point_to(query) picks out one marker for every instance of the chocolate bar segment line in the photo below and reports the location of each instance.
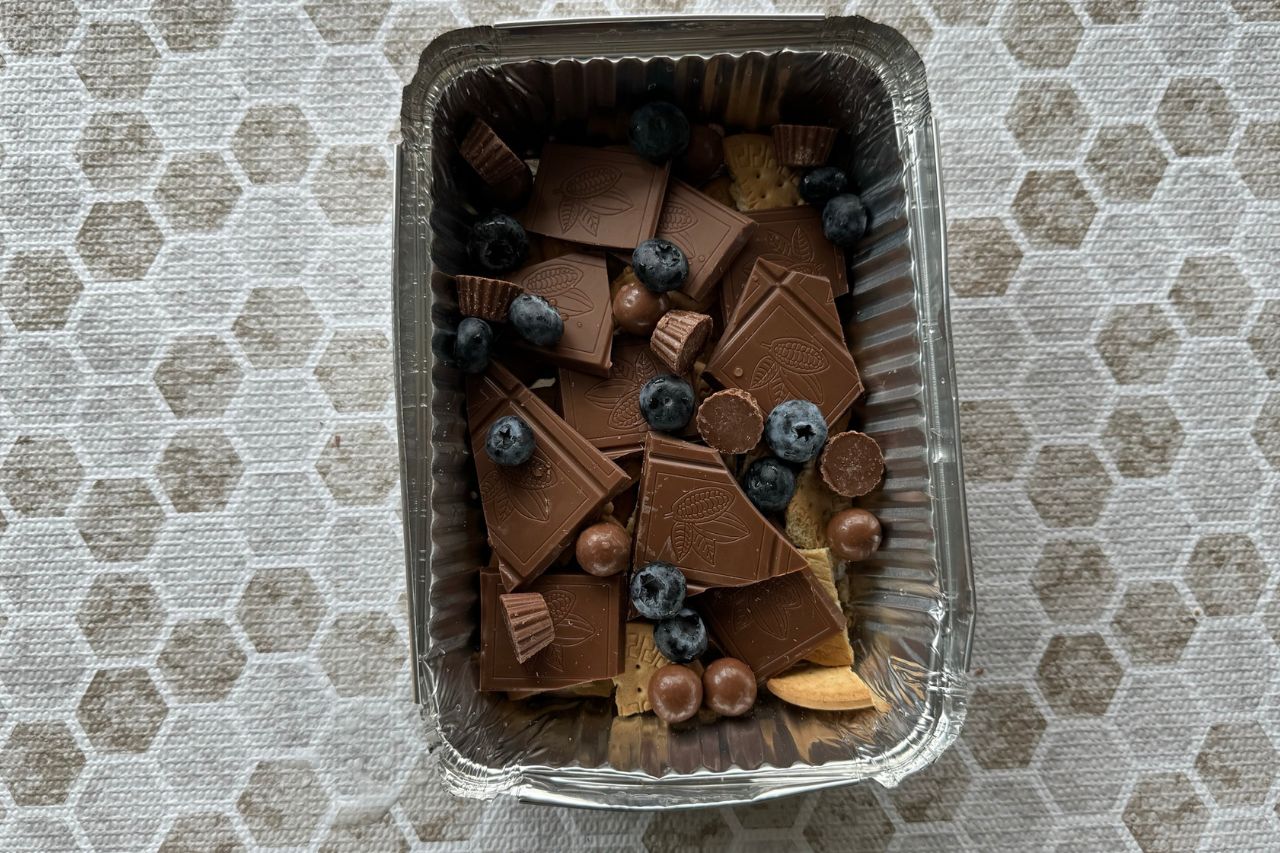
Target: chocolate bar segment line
(767, 274)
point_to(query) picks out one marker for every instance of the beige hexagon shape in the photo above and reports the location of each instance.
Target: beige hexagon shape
(116, 59)
(1143, 436)
(1257, 159)
(347, 21)
(1068, 485)
(197, 192)
(364, 829)
(38, 28)
(188, 25)
(408, 33)
(118, 240)
(39, 289)
(935, 793)
(1196, 116)
(1114, 11)
(1257, 10)
(435, 816)
(198, 376)
(1078, 675)
(280, 610)
(121, 615)
(982, 256)
(1226, 574)
(841, 815)
(1047, 119)
(1041, 33)
(1126, 162)
(1138, 344)
(362, 653)
(199, 470)
(201, 660)
(39, 762)
(118, 149)
(1237, 763)
(359, 463)
(957, 13)
(273, 143)
(1054, 209)
(1073, 580)
(278, 327)
(1266, 431)
(1264, 338)
(1211, 295)
(119, 520)
(283, 803)
(1164, 812)
(121, 710)
(206, 831)
(351, 185)
(995, 439)
(1153, 623)
(1003, 726)
(40, 475)
(355, 370)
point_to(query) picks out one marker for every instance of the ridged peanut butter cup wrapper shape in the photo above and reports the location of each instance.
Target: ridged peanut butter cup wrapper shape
(678, 338)
(528, 621)
(731, 421)
(803, 145)
(486, 298)
(851, 463)
(492, 159)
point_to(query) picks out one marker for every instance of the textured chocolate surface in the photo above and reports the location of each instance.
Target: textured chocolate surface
(771, 624)
(595, 196)
(533, 511)
(694, 515)
(791, 237)
(587, 615)
(767, 274)
(709, 234)
(577, 285)
(730, 421)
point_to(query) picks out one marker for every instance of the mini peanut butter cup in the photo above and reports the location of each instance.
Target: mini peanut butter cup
(528, 621)
(803, 144)
(486, 298)
(679, 337)
(851, 463)
(489, 155)
(730, 421)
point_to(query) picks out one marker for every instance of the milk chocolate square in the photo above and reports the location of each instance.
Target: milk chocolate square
(782, 347)
(533, 510)
(596, 196)
(587, 613)
(709, 234)
(694, 515)
(766, 275)
(772, 624)
(578, 286)
(790, 237)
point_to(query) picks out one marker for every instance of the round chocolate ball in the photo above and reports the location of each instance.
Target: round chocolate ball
(603, 549)
(729, 687)
(853, 534)
(704, 156)
(675, 692)
(637, 309)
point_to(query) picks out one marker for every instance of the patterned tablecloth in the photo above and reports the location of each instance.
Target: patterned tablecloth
(202, 628)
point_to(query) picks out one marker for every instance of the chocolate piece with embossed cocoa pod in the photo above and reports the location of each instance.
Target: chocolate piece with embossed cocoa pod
(577, 286)
(767, 274)
(596, 196)
(694, 515)
(709, 234)
(792, 238)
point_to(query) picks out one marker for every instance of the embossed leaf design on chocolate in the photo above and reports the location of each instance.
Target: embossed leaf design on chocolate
(703, 520)
(801, 245)
(786, 371)
(772, 612)
(621, 399)
(523, 489)
(571, 629)
(797, 254)
(494, 486)
(590, 194)
(558, 284)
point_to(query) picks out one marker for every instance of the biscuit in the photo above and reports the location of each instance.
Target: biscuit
(643, 660)
(719, 189)
(822, 688)
(834, 650)
(760, 182)
(810, 509)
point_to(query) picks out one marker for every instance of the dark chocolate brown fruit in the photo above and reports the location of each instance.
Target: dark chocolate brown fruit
(637, 309)
(729, 687)
(851, 464)
(853, 534)
(730, 421)
(675, 692)
(704, 156)
(603, 549)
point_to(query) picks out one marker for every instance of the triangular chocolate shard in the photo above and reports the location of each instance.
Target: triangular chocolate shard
(766, 275)
(534, 510)
(793, 238)
(576, 285)
(709, 234)
(694, 515)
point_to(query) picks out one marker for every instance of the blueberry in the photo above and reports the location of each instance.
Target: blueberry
(666, 401)
(657, 590)
(796, 430)
(498, 243)
(471, 347)
(769, 484)
(659, 131)
(844, 220)
(660, 265)
(820, 185)
(536, 320)
(510, 441)
(682, 637)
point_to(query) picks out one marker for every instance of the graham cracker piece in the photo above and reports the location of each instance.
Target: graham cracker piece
(720, 189)
(835, 650)
(810, 509)
(760, 181)
(642, 660)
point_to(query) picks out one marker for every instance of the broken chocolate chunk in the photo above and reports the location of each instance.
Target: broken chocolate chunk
(577, 286)
(792, 238)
